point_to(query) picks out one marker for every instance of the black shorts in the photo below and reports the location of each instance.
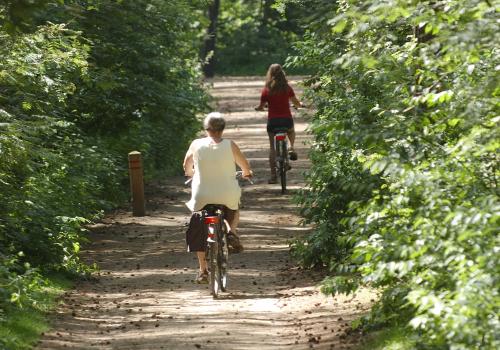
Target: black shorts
(196, 235)
(279, 124)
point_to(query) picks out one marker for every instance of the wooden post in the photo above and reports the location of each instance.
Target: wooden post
(136, 183)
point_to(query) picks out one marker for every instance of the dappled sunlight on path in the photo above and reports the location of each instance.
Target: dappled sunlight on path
(144, 296)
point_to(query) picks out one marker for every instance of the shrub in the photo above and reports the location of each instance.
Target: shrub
(406, 123)
(76, 95)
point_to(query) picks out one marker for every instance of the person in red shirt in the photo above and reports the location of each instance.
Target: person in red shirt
(277, 95)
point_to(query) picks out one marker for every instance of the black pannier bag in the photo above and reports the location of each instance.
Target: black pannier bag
(196, 237)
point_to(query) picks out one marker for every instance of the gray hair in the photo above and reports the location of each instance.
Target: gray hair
(214, 121)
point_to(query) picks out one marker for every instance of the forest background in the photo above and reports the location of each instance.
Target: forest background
(403, 191)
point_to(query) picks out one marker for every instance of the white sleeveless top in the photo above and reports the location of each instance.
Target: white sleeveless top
(214, 180)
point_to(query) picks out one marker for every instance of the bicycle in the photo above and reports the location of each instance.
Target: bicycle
(281, 151)
(216, 229)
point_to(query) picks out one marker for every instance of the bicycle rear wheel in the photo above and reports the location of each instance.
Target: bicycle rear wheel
(283, 166)
(224, 259)
(214, 269)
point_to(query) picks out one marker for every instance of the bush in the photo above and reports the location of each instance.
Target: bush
(403, 189)
(79, 89)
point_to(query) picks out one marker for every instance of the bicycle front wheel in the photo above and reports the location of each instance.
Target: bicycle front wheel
(282, 173)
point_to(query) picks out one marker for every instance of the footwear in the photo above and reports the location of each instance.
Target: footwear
(202, 277)
(234, 242)
(288, 167)
(272, 180)
(292, 154)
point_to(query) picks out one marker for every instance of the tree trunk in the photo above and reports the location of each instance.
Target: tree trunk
(266, 11)
(210, 40)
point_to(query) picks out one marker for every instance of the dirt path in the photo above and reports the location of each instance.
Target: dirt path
(144, 296)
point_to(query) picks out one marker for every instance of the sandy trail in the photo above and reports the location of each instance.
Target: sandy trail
(144, 296)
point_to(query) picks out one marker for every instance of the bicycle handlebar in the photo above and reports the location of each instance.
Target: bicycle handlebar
(239, 174)
(303, 106)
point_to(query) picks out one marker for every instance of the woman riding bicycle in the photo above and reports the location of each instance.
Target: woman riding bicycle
(276, 95)
(211, 162)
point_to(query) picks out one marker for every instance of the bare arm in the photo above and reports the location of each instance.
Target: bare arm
(240, 159)
(296, 102)
(189, 162)
(261, 106)
(263, 102)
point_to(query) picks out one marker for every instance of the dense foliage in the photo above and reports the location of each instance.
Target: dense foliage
(403, 190)
(251, 35)
(80, 87)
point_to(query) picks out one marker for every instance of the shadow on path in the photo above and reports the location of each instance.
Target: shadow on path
(144, 296)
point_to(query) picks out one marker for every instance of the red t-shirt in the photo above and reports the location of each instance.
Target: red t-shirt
(278, 104)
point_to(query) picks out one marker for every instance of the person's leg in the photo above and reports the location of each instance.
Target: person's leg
(202, 276)
(233, 219)
(233, 240)
(291, 137)
(272, 156)
(202, 261)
